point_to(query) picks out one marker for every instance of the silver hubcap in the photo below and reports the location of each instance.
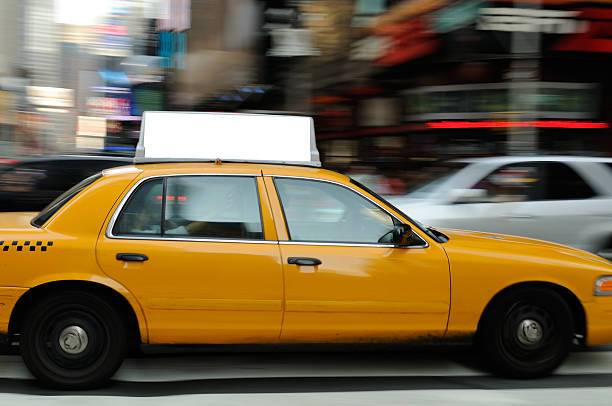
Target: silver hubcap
(73, 340)
(529, 332)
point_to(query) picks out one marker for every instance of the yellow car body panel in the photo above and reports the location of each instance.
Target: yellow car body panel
(483, 264)
(191, 291)
(63, 250)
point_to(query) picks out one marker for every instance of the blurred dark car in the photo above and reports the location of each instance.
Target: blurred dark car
(31, 184)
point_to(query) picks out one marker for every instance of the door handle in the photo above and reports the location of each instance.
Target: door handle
(131, 257)
(303, 261)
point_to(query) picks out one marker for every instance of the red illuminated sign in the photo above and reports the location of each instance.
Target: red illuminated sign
(510, 124)
(598, 36)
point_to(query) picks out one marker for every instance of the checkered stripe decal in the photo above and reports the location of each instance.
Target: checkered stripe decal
(25, 245)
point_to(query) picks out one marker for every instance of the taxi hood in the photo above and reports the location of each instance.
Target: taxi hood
(16, 221)
(492, 244)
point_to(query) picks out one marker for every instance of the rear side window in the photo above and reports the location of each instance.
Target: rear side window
(511, 183)
(194, 207)
(563, 183)
(142, 212)
(212, 207)
(64, 198)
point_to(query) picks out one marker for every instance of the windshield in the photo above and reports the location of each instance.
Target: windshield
(427, 230)
(431, 178)
(64, 198)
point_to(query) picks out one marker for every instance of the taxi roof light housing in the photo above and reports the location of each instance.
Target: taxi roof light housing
(167, 136)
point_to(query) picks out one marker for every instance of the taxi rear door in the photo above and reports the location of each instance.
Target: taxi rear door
(212, 273)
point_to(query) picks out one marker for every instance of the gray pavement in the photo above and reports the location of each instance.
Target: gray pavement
(406, 377)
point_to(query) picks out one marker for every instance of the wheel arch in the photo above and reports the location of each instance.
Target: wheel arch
(570, 298)
(137, 331)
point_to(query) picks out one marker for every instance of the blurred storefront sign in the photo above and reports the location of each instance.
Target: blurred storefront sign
(330, 24)
(530, 20)
(288, 42)
(408, 40)
(90, 132)
(369, 48)
(143, 69)
(595, 37)
(112, 38)
(7, 107)
(174, 15)
(379, 111)
(50, 99)
(172, 47)
(173, 22)
(109, 106)
(479, 101)
(457, 15)
(406, 10)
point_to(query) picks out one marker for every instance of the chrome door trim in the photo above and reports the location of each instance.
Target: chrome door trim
(109, 228)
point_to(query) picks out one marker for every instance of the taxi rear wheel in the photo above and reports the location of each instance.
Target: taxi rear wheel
(74, 340)
(527, 333)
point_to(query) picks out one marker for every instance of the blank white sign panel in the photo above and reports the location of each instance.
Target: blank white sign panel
(229, 136)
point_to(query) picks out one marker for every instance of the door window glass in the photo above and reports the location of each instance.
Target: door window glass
(142, 213)
(563, 183)
(213, 207)
(511, 183)
(326, 212)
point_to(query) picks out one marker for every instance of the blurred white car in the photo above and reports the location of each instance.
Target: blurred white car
(556, 198)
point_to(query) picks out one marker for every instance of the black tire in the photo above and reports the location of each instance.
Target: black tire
(513, 346)
(57, 365)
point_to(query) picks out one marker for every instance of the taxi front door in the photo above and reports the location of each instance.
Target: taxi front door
(212, 276)
(344, 280)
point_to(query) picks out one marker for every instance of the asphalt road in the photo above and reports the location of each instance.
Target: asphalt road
(403, 377)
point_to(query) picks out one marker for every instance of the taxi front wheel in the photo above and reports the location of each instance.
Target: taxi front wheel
(527, 333)
(74, 340)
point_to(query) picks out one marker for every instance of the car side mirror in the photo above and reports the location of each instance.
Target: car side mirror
(468, 195)
(401, 234)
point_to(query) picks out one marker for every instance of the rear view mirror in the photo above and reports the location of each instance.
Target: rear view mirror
(401, 234)
(468, 195)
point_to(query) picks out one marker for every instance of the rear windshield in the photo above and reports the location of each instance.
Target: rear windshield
(64, 198)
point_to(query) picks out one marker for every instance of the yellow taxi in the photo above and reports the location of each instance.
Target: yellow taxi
(213, 251)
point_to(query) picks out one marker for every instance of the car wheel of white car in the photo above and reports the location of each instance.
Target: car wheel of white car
(527, 333)
(73, 340)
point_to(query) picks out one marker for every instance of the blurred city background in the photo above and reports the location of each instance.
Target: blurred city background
(394, 85)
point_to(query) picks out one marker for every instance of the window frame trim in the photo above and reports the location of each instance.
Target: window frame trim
(339, 243)
(162, 237)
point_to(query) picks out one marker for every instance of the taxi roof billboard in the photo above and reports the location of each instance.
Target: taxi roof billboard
(167, 136)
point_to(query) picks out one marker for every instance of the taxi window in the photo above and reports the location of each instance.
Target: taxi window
(142, 213)
(212, 207)
(325, 212)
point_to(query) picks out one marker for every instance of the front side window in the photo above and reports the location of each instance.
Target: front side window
(193, 207)
(325, 212)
